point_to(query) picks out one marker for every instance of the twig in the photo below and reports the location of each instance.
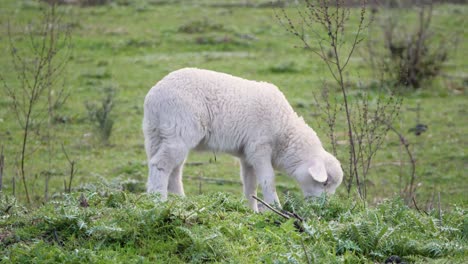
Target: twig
(285, 214)
(406, 144)
(271, 208)
(56, 238)
(292, 215)
(417, 208)
(305, 252)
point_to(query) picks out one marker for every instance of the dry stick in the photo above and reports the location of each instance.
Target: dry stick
(56, 238)
(305, 252)
(271, 208)
(417, 208)
(288, 215)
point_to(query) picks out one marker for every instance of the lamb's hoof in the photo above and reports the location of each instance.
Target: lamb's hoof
(394, 260)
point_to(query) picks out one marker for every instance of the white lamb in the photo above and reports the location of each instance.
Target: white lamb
(206, 110)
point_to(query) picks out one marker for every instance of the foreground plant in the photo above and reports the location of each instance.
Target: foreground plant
(102, 223)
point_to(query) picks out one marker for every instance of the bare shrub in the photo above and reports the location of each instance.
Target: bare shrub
(200, 26)
(37, 66)
(410, 56)
(323, 28)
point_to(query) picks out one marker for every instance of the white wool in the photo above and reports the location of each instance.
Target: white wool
(206, 110)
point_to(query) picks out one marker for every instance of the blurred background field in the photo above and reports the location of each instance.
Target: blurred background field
(127, 46)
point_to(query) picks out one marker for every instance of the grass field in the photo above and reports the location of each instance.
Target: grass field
(129, 47)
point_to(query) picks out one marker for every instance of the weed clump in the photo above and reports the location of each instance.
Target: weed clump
(101, 116)
(284, 67)
(200, 26)
(412, 57)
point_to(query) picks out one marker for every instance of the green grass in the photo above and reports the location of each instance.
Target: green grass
(131, 47)
(103, 225)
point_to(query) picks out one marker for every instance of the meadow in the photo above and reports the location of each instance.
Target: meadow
(127, 46)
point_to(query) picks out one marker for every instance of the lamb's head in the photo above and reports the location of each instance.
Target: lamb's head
(321, 173)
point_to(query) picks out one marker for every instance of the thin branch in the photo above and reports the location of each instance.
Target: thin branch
(305, 252)
(417, 208)
(36, 77)
(285, 214)
(356, 36)
(271, 208)
(405, 144)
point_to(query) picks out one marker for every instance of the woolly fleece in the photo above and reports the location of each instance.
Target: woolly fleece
(206, 110)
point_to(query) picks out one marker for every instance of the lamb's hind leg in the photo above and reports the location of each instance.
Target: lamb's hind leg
(162, 165)
(249, 181)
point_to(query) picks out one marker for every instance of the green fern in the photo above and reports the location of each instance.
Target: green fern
(220, 228)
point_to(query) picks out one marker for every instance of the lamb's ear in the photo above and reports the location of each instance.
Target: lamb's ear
(318, 172)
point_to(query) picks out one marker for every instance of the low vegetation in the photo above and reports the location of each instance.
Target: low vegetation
(104, 224)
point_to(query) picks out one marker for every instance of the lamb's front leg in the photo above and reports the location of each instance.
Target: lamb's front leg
(266, 179)
(249, 181)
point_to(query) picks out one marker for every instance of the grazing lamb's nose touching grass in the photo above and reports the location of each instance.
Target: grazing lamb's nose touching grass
(206, 110)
